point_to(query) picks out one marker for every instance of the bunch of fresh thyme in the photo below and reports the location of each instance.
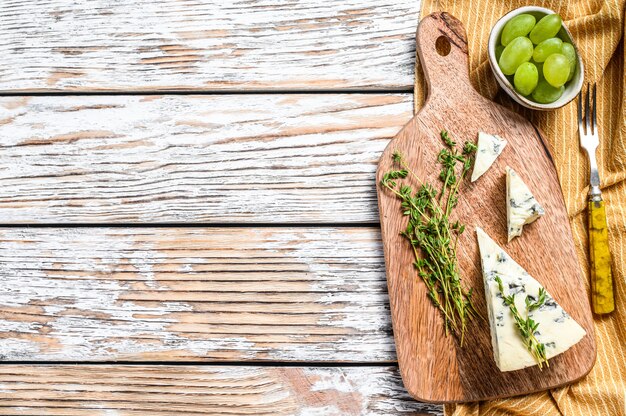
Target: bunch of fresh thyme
(433, 237)
(527, 327)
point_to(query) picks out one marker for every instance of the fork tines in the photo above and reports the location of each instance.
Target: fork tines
(589, 127)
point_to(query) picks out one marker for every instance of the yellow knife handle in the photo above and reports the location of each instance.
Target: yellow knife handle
(601, 278)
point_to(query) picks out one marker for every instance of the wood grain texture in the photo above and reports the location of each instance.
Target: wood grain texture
(200, 45)
(203, 294)
(433, 366)
(116, 390)
(192, 159)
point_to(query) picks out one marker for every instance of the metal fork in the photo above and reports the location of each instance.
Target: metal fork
(602, 298)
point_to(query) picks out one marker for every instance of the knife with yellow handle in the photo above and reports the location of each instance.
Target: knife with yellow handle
(602, 299)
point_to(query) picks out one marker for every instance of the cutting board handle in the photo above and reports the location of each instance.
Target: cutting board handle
(442, 49)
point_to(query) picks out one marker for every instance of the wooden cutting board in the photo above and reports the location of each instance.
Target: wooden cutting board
(434, 367)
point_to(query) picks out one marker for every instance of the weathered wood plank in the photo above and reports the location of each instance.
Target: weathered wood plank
(202, 159)
(202, 294)
(61, 45)
(107, 390)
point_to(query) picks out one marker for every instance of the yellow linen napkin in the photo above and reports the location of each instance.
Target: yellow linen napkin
(598, 29)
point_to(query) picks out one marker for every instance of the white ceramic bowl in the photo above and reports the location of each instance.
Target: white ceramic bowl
(572, 88)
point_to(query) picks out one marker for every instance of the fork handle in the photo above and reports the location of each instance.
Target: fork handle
(601, 277)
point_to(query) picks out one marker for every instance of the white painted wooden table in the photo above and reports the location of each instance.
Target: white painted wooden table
(189, 220)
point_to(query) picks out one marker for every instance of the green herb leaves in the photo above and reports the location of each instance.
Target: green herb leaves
(527, 327)
(432, 236)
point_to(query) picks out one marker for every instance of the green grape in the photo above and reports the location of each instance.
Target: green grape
(517, 52)
(568, 50)
(545, 93)
(572, 71)
(499, 50)
(539, 66)
(526, 78)
(518, 26)
(547, 48)
(556, 69)
(546, 28)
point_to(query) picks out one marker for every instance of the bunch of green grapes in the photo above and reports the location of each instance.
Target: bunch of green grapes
(535, 55)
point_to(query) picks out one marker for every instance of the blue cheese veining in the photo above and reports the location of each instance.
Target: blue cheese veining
(557, 330)
(489, 148)
(521, 206)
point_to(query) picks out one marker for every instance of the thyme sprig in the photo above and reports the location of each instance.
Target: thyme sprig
(527, 327)
(431, 233)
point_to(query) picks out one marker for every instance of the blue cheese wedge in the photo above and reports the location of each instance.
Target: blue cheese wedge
(521, 206)
(489, 148)
(557, 330)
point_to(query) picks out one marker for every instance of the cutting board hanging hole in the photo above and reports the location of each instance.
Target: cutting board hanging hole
(442, 44)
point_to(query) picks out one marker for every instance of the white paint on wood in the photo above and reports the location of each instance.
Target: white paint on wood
(134, 390)
(106, 45)
(293, 294)
(253, 158)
